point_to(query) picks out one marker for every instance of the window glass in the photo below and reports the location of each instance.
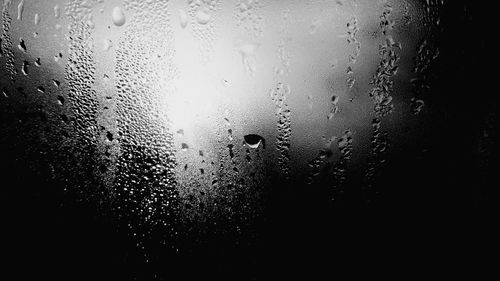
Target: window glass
(208, 130)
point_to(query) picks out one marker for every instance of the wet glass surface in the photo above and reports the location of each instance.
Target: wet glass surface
(243, 140)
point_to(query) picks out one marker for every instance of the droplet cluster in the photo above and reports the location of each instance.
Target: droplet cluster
(249, 17)
(382, 94)
(345, 147)
(80, 71)
(6, 52)
(203, 16)
(145, 184)
(283, 114)
(352, 40)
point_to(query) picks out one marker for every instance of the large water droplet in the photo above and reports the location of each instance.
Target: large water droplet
(253, 141)
(118, 16)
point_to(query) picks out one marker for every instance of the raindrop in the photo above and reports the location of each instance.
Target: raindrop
(351, 81)
(253, 141)
(118, 16)
(202, 17)
(335, 99)
(24, 69)
(58, 57)
(60, 100)
(22, 46)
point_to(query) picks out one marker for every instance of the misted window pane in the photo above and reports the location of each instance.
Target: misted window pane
(235, 137)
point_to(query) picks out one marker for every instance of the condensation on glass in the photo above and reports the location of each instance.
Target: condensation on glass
(180, 116)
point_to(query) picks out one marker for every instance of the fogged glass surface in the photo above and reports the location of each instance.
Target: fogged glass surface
(229, 134)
